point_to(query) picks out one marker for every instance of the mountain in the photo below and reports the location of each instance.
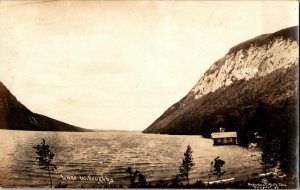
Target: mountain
(14, 115)
(251, 90)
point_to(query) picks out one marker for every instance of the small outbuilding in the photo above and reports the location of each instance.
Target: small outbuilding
(224, 138)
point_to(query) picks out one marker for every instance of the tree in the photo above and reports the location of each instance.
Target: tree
(45, 156)
(187, 163)
(142, 180)
(132, 175)
(270, 154)
(136, 174)
(288, 156)
(216, 167)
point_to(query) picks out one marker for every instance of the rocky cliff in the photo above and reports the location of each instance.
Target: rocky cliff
(14, 115)
(251, 89)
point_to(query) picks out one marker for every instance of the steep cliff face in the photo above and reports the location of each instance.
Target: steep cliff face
(14, 115)
(247, 90)
(248, 63)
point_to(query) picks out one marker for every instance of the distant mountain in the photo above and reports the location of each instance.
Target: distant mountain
(14, 115)
(251, 90)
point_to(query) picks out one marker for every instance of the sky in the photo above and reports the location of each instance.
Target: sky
(120, 64)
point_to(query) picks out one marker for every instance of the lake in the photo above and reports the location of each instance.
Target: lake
(109, 153)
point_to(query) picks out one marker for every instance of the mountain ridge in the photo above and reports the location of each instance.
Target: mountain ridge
(15, 116)
(248, 75)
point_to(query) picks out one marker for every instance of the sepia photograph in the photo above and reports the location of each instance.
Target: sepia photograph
(149, 94)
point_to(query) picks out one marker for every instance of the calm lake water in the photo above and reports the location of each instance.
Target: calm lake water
(108, 154)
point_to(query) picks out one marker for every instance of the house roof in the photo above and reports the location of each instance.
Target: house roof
(223, 134)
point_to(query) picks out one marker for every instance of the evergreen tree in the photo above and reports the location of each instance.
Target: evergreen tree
(45, 156)
(270, 154)
(187, 163)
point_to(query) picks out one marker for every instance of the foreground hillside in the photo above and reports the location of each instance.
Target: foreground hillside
(14, 115)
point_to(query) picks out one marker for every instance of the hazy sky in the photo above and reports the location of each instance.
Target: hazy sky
(121, 64)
